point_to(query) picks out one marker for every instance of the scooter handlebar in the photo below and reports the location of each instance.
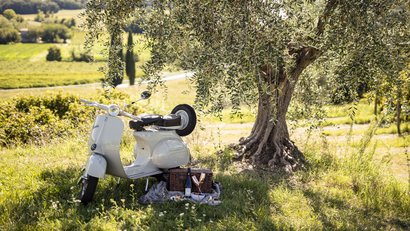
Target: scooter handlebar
(94, 104)
(106, 108)
(129, 115)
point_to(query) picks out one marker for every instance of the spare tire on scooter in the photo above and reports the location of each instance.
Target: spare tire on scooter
(188, 119)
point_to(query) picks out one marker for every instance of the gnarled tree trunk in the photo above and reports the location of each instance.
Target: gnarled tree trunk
(269, 145)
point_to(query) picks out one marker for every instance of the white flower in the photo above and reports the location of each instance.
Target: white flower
(161, 214)
(181, 214)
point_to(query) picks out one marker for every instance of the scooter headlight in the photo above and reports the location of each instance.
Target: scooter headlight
(113, 110)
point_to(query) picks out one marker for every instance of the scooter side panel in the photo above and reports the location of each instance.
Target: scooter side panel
(96, 166)
(106, 134)
(170, 153)
(163, 149)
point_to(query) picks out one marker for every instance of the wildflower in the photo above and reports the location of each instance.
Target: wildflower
(161, 214)
(181, 214)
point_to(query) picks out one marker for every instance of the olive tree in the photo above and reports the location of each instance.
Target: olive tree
(109, 16)
(254, 51)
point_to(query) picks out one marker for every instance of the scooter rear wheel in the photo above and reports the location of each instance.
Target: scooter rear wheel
(88, 186)
(188, 119)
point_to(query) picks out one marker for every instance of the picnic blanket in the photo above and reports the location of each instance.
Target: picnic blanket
(158, 193)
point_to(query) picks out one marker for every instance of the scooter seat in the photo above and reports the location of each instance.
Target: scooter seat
(148, 119)
(170, 120)
(154, 119)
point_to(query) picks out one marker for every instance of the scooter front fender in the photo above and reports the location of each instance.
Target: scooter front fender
(96, 166)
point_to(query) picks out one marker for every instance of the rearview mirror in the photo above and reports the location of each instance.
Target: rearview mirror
(145, 94)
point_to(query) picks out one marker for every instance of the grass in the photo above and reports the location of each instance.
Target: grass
(363, 108)
(333, 193)
(22, 51)
(357, 130)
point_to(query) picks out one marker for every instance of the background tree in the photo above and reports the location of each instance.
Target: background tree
(109, 16)
(130, 60)
(9, 14)
(7, 32)
(52, 33)
(256, 51)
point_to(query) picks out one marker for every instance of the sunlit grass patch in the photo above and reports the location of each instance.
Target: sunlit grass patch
(363, 108)
(22, 51)
(292, 210)
(357, 130)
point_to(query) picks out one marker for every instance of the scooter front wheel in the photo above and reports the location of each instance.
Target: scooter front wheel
(88, 186)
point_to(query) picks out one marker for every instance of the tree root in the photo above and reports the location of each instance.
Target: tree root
(280, 156)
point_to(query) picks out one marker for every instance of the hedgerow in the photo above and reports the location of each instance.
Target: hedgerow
(40, 119)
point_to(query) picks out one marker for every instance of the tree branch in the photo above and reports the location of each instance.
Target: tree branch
(306, 55)
(329, 8)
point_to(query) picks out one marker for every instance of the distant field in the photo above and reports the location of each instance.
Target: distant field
(22, 74)
(22, 51)
(60, 14)
(25, 65)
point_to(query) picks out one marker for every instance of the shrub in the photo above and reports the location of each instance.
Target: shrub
(52, 33)
(5, 23)
(9, 14)
(54, 54)
(37, 120)
(32, 35)
(9, 35)
(82, 57)
(7, 32)
(40, 17)
(70, 22)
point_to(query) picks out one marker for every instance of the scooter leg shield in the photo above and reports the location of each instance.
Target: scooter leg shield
(96, 166)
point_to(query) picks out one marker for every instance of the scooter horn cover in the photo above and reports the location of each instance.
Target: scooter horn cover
(188, 119)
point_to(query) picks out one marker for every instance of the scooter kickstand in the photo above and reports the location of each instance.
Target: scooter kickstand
(146, 184)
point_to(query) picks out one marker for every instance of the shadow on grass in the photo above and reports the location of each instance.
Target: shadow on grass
(337, 213)
(245, 206)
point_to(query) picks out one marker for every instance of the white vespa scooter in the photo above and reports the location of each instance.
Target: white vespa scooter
(158, 147)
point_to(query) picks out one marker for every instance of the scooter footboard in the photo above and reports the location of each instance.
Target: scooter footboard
(96, 166)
